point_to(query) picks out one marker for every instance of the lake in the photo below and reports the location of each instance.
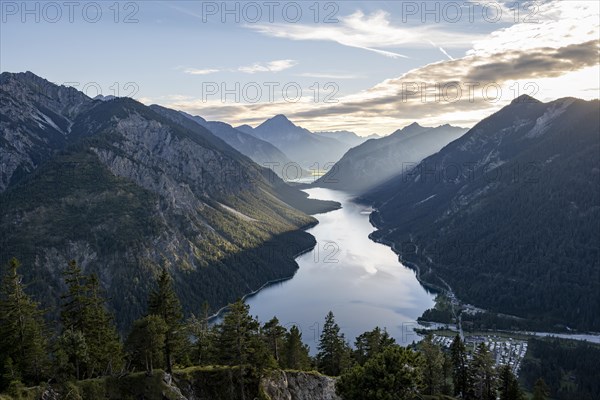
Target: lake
(361, 281)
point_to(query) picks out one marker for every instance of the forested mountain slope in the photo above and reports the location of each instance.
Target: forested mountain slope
(377, 160)
(260, 151)
(508, 215)
(126, 189)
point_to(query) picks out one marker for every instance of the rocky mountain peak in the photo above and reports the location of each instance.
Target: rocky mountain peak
(525, 99)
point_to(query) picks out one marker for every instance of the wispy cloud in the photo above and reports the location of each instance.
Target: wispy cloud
(272, 66)
(195, 71)
(440, 48)
(373, 32)
(558, 56)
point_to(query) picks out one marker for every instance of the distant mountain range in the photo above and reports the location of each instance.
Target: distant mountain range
(375, 161)
(311, 151)
(260, 151)
(350, 138)
(507, 215)
(123, 188)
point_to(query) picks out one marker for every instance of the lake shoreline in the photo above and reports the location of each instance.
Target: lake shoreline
(272, 282)
(448, 292)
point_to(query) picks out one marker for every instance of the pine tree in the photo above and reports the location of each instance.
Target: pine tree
(75, 302)
(205, 336)
(483, 374)
(240, 342)
(334, 353)
(164, 303)
(508, 385)
(106, 349)
(433, 367)
(274, 334)
(145, 343)
(393, 374)
(295, 353)
(447, 388)
(72, 353)
(371, 343)
(458, 354)
(540, 390)
(84, 311)
(23, 344)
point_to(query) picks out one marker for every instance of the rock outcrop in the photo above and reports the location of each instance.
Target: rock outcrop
(298, 385)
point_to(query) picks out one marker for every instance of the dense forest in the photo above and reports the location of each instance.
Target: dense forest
(84, 345)
(507, 215)
(569, 368)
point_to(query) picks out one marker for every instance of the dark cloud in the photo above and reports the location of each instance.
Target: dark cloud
(540, 63)
(490, 70)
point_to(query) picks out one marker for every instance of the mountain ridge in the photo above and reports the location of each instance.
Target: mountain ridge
(376, 160)
(310, 150)
(504, 201)
(130, 190)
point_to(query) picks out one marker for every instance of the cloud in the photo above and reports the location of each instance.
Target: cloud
(444, 52)
(373, 32)
(433, 88)
(558, 56)
(195, 71)
(543, 62)
(272, 66)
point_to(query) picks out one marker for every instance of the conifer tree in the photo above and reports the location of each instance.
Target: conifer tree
(295, 352)
(203, 352)
(393, 374)
(72, 353)
(145, 344)
(274, 335)
(240, 343)
(447, 387)
(482, 373)
(84, 311)
(371, 343)
(458, 354)
(334, 353)
(23, 344)
(540, 390)
(508, 385)
(164, 303)
(433, 367)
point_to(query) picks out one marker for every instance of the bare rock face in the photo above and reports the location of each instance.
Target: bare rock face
(286, 385)
(35, 121)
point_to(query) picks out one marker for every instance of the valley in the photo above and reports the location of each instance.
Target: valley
(324, 200)
(361, 281)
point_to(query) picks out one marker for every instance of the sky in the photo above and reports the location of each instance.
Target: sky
(368, 67)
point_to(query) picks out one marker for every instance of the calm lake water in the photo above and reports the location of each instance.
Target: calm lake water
(361, 281)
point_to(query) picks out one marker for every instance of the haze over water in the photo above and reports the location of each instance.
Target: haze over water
(361, 281)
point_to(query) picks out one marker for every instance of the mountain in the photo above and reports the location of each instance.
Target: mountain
(246, 129)
(375, 161)
(347, 137)
(105, 98)
(36, 120)
(507, 215)
(261, 152)
(311, 151)
(124, 189)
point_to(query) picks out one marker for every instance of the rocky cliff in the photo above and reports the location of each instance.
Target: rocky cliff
(197, 383)
(298, 385)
